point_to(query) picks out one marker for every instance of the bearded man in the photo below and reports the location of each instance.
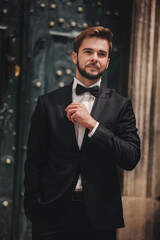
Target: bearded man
(78, 136)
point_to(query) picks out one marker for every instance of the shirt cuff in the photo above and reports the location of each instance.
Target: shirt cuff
(93, 130)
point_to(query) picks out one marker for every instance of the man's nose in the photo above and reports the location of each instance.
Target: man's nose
(95, 57)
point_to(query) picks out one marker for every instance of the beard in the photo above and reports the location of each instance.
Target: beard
(88, 75)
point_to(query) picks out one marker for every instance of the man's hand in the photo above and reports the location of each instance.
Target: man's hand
(78, 112)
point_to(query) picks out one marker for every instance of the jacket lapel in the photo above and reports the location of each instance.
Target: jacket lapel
(98, 107)
(66, 99)
(66, 96)
(100, 102)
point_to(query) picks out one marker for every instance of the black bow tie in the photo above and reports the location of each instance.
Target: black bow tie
(93, 90)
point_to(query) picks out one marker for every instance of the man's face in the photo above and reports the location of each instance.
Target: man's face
(92, 58)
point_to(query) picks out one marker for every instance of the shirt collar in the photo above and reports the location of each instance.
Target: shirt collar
(76, 81)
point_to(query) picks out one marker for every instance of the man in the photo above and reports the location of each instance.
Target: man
(78, 136)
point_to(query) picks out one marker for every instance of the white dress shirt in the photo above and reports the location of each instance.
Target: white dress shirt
(88, 100)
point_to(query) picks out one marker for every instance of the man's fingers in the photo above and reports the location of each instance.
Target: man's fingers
(72, 115)
(77, 112)
(73, 118)
(74, 105)
(70, 112)
(71, 106)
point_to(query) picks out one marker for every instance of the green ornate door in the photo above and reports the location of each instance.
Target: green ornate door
(36, 42)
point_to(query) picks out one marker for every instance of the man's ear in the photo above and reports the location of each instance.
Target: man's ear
(74, 57)
(108, 62)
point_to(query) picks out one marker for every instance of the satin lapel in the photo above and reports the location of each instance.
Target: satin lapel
(66, 99)
(100, 102)
(98, 107)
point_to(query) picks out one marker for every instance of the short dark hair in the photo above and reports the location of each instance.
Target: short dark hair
(99, 31)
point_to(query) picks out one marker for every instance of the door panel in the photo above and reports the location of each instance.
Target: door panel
(10, 42)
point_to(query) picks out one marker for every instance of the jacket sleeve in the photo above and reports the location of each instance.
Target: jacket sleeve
(124, 142)
(36, 154)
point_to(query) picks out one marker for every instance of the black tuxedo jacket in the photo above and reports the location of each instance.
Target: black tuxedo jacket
(54, 160)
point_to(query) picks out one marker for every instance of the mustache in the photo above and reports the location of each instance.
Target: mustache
(93, 64)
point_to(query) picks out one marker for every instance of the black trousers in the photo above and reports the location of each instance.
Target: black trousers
(72, 225)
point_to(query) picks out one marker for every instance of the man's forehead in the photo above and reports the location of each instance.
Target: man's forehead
(95, 46)
(97, 42)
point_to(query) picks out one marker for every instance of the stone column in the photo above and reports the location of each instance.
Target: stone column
(141, 187)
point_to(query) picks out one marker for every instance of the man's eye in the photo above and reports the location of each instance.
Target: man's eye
(87, 51)
(102, 54)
